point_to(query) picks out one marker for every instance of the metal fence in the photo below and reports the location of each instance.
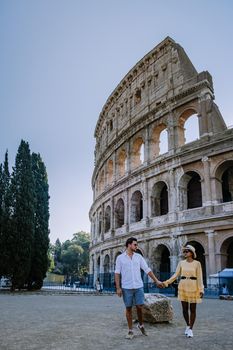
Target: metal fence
(107, 283)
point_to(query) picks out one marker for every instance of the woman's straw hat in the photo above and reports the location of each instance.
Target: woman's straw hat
(191, 248)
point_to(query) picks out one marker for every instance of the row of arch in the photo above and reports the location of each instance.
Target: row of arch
(160, 261)
(158, 144)
(190, 191)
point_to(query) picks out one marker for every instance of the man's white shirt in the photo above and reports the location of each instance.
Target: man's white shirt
(130, 270)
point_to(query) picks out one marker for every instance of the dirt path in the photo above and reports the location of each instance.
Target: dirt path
(48, 322)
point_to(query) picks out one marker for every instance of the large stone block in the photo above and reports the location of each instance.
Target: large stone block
(157, 309)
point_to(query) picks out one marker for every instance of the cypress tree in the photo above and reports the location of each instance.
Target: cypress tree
(6, 211)
(57, 252)
(40, 260)
(23, 221)
(1, 215)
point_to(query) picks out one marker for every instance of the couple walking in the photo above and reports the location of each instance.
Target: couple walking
(129, 284)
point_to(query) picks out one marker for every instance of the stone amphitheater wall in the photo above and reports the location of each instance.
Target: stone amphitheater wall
(163, 198)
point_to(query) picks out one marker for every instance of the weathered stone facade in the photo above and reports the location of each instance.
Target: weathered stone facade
(163, 198)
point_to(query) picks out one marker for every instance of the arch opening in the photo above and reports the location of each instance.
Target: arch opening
(136, 208)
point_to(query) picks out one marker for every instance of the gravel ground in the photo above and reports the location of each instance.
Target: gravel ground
(86, 322)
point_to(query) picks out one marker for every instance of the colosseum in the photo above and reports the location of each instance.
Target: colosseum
(153, 181)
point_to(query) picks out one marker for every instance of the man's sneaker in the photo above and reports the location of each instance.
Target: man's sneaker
(190, 333)
(142, 329)
(186, 331)
(130, 335)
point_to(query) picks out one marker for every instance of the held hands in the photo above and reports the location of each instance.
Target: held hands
(160, 284)
(201, 295)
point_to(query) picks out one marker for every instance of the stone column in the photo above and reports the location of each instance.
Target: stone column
(145, 198)
(171, 138)
(179, 135)
(114, 167)
(147, 251)
(117, 114)
(182, 200)
(111, 267)
(147, 146)
(112, 217)
(219, 262)
(173, 262)
(174, 256)
(211, 268)
(103, 222)
(95, 268)
(130, 106)
(127, 210)
(202, 119)
(105, 176)
(91, 264)
(97, 226)
(128, 165)
(205, 108)
(207, 186)
(101, 262)
(172, 201)
(93, 228)
(171, 131)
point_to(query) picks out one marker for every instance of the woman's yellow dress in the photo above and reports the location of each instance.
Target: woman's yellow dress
(188, 289)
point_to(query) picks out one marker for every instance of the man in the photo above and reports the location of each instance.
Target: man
(128, 266)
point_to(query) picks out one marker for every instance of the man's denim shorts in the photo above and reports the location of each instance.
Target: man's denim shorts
(133, 297)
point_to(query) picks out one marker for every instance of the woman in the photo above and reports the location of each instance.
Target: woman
(190, 288)
(98, 285)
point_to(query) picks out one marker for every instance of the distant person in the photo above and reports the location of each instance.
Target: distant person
(225, 290)
(98, 285)
(190, 288)
(128, 267)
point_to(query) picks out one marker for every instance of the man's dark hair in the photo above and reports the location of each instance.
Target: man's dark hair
(130, 241)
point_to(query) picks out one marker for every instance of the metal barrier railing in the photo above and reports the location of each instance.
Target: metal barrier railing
(110, 288)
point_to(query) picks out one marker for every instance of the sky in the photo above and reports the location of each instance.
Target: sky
(61, 59)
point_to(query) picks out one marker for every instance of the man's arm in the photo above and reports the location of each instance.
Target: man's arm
(148, 271)
(117, 282)
(155, 279)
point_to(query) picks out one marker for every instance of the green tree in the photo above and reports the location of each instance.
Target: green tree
(75, 255)
(51, 258)
(5, 217)
(23, 228)
(39, 258)
(83, 239)
(57, 252)
(2, 246)
(57, 257)
(71, 259)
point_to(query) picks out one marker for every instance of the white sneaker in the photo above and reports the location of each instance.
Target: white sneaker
(130, 335)
(142, 329)
(190, 333)
(186, 331)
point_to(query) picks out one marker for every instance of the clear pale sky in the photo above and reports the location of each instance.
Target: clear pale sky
(61, 59)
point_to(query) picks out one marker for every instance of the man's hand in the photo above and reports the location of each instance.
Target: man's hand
(159, 284)
(119, 292)
(201, 295)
